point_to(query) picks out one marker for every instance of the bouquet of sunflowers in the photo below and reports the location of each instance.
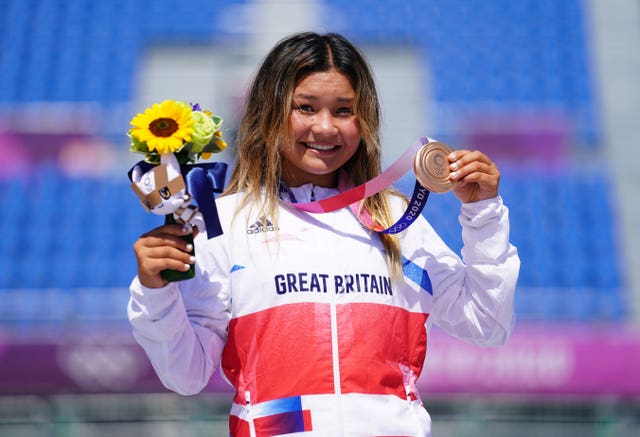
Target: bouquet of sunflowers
(184, 129)
(172, 136)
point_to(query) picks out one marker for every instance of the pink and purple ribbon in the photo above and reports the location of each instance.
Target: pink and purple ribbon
(353, 196)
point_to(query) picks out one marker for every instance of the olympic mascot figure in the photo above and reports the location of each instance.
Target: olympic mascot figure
(173, 136)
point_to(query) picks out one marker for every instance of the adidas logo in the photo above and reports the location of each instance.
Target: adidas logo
(260, 226)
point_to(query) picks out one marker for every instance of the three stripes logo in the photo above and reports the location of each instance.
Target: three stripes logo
(260, 226)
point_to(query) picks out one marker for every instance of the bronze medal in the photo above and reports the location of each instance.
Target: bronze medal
(431, 167)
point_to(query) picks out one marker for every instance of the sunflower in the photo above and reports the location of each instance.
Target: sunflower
(164, 127)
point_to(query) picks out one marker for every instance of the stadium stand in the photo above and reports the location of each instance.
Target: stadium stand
(63, 234)
(500, 55)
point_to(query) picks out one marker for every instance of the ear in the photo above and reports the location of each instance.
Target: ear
(173, 167)
(145, 181)
(136, 174)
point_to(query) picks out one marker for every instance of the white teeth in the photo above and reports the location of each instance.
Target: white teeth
(320, 146)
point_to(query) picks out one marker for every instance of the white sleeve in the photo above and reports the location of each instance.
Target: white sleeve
(473, 298)
(182, 327)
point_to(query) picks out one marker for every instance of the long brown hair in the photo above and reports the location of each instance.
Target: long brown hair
(265, 127)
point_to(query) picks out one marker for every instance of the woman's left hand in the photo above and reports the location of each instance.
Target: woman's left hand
(477, 176)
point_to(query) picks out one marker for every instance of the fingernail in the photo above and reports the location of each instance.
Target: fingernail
(454, 174)
(186, 267)
(189, 247)
(192, 259)
(452, 156)
(454, 166)
(186, 228)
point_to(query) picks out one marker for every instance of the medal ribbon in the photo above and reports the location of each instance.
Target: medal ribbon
(353, 196)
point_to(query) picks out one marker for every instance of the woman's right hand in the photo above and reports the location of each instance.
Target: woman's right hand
(160, 249)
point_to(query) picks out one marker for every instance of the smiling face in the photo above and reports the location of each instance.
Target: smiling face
(325, 130)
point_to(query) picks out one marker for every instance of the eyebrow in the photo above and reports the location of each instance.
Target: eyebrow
(312, 97)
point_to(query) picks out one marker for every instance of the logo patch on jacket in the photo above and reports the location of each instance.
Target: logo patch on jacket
(261, 225)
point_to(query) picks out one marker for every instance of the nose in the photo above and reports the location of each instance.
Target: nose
(323, 123)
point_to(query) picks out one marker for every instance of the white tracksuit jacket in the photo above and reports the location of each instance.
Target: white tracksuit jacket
(307, 325)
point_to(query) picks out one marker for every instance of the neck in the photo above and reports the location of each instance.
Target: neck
(326, 180)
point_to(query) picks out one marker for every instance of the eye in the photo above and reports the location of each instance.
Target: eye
(305, 108)
(344, 111)
(165, 192)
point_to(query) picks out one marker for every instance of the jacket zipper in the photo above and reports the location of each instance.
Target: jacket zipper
(336, 359)
(252, 426)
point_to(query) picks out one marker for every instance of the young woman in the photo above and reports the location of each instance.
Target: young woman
(319, 323)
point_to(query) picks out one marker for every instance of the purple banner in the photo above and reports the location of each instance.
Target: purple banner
(538, 360)
(95, 366)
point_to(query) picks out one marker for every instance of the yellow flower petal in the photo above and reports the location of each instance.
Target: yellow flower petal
(165, 127)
